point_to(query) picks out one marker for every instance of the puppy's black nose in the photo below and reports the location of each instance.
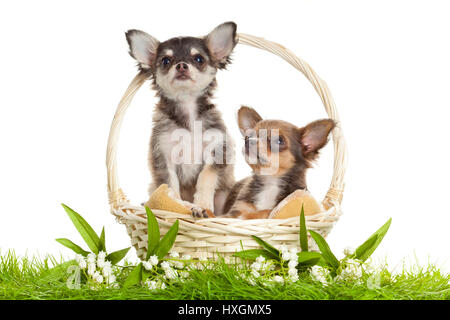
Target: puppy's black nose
(182, 67)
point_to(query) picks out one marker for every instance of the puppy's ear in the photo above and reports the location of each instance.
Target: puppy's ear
(221, 41)
(142, 47)
(247, 118)
(314, 137)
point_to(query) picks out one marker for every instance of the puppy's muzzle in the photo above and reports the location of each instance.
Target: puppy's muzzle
(182, 71)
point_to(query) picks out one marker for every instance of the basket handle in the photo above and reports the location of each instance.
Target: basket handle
(115, 193)
(336, 189)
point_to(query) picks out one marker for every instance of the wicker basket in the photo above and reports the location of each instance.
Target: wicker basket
(204, 238)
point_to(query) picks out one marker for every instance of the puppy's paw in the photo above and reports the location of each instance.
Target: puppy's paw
(199, 212)
(204, 202)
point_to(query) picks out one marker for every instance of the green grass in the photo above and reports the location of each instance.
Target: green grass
(34, 278)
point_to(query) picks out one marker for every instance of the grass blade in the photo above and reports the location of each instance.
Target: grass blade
(360, 252)
(303, 233)
(56, 273)
(102, 243)
(69, 244)
(308, 259)
(273, 251)
(380, 233)
(167, 241)
(153, 234)
(134, 277)
(85, 230)
(252, 254)
(145, 275)
(324, 248)
(118, 255)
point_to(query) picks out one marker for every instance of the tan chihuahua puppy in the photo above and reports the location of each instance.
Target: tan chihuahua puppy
(279, 154)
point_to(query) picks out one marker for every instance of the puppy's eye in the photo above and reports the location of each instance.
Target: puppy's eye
(165, 61)
(199, 59)
(279, 140)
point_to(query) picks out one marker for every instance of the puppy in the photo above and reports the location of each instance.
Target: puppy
(279, 154)
(190, 149)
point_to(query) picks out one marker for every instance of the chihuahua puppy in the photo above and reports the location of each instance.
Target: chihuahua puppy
(190, 149)
(279, 154)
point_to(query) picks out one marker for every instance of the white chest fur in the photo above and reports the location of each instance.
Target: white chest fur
(266, 198)
(187, 149)
(189, 107)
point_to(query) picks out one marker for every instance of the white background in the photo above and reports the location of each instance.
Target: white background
(64, 66)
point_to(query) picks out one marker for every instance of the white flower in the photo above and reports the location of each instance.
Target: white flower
(320, 274)
(178, 264)
(352, 271)
(251, 281)
(260, 259)
(184, 274)
(255, 273)
(278, 279)
(102, 255)
(171, 274)
(165, 265)
(256, 266)
(292, 264)
(174, 255)
(349, 251)
(79, 258)
(153, 260)
(200, 266)
(97, 277)
(107, 265)
(111, 279)
(91, 258)
(82, 264)
(147, 265)
(186, 257)
(91, 269)
(270, 266)
(353, 267)
(368, 268)
(107, 271)
(293, 278)
(152, 285)
(100, 263)
(286, 255)
(292, 272)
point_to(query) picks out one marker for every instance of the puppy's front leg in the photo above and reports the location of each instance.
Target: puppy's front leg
(174, 182)
(206, 187)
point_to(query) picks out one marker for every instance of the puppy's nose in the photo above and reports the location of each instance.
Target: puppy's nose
(182, 67)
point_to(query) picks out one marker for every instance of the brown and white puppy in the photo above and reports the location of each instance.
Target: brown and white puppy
(190, 149)
(279, 154)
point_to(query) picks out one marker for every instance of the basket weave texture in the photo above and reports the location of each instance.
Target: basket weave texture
(206, 238)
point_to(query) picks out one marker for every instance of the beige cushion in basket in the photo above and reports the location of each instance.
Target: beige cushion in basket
(163, 199)
(291, 206)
